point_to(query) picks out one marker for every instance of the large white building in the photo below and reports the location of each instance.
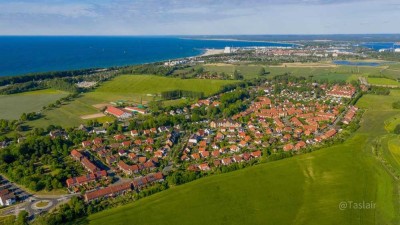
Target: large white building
(6, 197)
(227, 50)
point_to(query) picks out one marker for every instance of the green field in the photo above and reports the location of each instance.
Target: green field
(130, 88)
(134, 87)
(319, 71)
(392, 149)
(302, 190)
(12, 106)
(382, 81)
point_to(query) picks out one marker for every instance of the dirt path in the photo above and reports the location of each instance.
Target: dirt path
(92, 116)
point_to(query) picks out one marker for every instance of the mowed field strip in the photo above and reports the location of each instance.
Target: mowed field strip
(306, 189)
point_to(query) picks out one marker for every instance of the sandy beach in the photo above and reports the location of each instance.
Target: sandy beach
(212, 52)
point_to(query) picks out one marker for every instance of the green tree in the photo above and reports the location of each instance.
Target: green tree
(22, 218)
(24, 117)
(200, 70)
(262, 71)
(396, 105)
(237, 75)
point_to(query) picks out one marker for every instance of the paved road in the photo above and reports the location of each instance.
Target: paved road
(28, 201)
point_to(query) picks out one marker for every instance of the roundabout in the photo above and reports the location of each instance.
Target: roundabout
(42, 204)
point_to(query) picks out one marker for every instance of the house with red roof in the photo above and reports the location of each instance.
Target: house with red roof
(299, 145)
(86, 144)
(215, 153)
(204, 167)
(76, 155)
(89, 165)
(226, 161)
(256, 154)
(288, 147)
(97, 141)
(109, 191)
(120, 114)
(195, 156)
(119, 137)
(134, 133)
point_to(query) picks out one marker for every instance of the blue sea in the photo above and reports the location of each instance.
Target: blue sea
(351, 63)
(380, 45)
(22, 54)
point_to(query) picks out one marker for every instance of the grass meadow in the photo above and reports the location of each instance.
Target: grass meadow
(12, 106)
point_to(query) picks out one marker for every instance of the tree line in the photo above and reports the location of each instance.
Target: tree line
(175, 94)
(43, 76)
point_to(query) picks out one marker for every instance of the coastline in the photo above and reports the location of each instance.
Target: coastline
(100, 53)
(239, 40)
(204, 52)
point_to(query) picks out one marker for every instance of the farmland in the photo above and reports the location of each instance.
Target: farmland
(135, 87)
(306, 189)
(382, 81)
(319, 71)
(12, 106)
(130, 88)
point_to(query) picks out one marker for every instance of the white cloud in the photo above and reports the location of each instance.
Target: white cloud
(73, 10)
(134, 17)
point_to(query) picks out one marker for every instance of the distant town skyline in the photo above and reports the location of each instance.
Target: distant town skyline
(198, 17)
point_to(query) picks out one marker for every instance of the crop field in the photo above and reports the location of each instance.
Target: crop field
(319, 71)
(305, 189)
(130, 88)
(12, 106)
(382, 81)
(322, 70)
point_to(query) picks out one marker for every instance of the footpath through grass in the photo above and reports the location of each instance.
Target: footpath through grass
(301, 190)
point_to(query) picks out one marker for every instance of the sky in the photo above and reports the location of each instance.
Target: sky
(198, 17)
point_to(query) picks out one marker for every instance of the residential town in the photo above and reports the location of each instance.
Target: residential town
(278, 117)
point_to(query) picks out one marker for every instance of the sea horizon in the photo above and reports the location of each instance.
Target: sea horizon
(23, 55)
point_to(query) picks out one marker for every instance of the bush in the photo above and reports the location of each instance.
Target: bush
(396, 105)
(397, 129)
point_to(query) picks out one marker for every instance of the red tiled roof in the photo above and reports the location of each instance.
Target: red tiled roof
(114, 111)
(76, 154)
(108, 191)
